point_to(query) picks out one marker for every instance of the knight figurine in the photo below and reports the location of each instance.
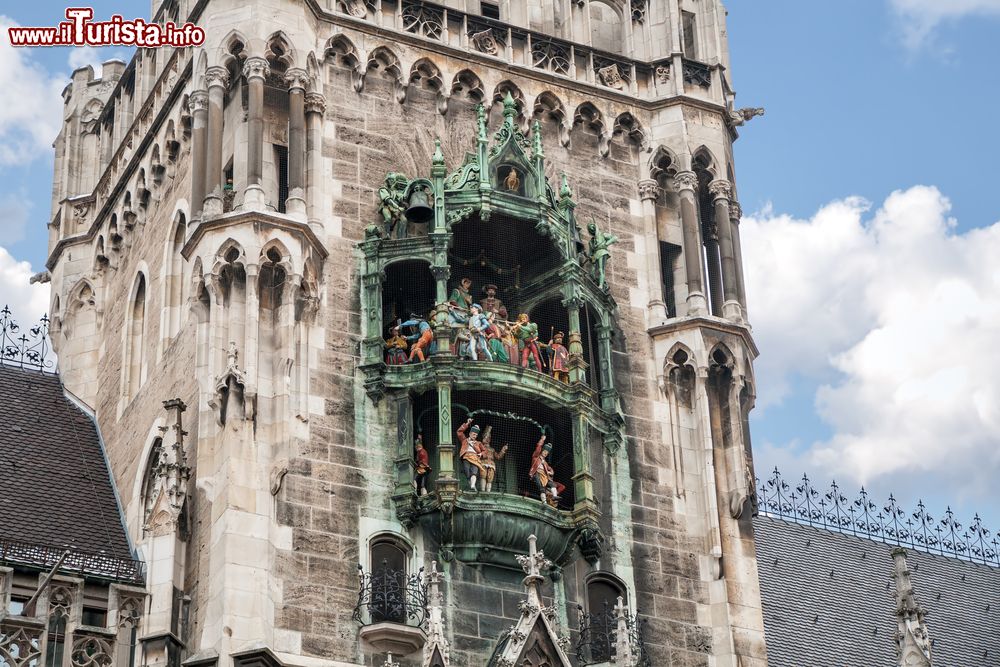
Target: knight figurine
(420, 338)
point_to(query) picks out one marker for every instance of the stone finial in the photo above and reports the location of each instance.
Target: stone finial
(481, 132)
(436, 646)
(536, 137)
(912, 638)
(171, 474)
(438, 158)
(509, 109)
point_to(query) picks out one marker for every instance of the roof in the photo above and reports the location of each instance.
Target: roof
(56, 491)
(829, 600)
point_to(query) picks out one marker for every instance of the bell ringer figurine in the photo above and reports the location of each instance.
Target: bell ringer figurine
(541, 472)
(489, 458)
(478, 326)
(423, 467)
(469, 452)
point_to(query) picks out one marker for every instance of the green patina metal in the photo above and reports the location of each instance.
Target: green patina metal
(507, 178)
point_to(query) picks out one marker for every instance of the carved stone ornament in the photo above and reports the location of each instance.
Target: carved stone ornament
(610, 76)
(198, 101)
(720, 189)
(735, 212)
(648, 189)
(315, 103)
(740, 116)
(355, 8)
(217, 76)
(256, 67)
(662, 73)
(686, 180)
(297, 79)
(485, 42)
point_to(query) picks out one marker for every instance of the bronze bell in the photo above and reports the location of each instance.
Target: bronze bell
(419, 211)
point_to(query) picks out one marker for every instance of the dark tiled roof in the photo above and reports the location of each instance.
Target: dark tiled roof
(55, 486)
(829, 600)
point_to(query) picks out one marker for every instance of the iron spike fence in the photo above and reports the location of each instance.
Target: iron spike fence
(803, 503)
(598, 639)
(388, 595)
(103, 566)
(24, 349)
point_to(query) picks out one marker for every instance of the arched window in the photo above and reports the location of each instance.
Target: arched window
(174, 285)
(134, 337)
(389, 556)
(603, 591)
(605, 27)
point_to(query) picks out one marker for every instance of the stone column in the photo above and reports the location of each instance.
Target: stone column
(721, 192)
(297, 79)
(198, 104)
(315, 110)
(686, 182)
(255, 70)
(577, 366)
(217, 79)
(735, 213)
(649, 190)
(710, 233)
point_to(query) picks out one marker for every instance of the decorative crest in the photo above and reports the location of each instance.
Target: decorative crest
(24, 349)
(802, 503)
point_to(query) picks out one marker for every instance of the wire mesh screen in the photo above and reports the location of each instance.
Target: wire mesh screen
(505, 420)
(409, 290)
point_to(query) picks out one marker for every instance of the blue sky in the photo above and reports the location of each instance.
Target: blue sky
(869, 193)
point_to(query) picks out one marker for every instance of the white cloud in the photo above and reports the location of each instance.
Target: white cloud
(82, 56)
(896, 317)
(27, 127)
(27, 302)
(921, 17)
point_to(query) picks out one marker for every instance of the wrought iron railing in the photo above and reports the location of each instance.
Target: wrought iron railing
(388, 595)
(24, 349)
(598, 639)
(803, 503)
(119, 569)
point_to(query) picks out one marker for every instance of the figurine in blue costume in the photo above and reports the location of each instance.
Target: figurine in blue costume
(478, 328)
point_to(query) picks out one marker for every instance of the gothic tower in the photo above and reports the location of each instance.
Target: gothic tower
(239, 228)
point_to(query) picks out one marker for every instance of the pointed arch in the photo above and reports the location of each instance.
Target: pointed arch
(101, 260)
(426, 74)
(157, 170)
(508, 86)
(341, 52)
(173, 279)
(383, 61)
(133, 358)
(628, 127)
(172, 147)
(703, 159)
(468, 86)
(663, 164)
(234, 48)
(278, 51)
(548, 107)
(589, 118)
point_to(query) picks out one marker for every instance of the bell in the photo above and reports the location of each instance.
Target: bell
(419, 211)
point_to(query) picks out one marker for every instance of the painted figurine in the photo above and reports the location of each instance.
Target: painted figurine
(542, 474)
(421, 338)
(491, 304)
(478, 326)
(558, 358)
(468, 451)
(512, 182)
(391, 204)
(395, 348)
(460, 301)
(422, 466)
(489, 458)
(599, 253)
(494, 340)
(509, 342)
(526, 333)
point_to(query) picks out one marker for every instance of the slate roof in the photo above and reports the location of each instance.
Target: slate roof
(55, 487)
(828, 600)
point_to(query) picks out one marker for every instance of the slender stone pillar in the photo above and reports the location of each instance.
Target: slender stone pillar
(297, 79)
(735, 213)
(315, 109)
(198, 104)
(255, 70)
(721, 192)
(686, 182)
(711, 234)
(649, 190)
(217, 79)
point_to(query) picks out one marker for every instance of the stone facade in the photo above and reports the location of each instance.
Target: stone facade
(210, 211)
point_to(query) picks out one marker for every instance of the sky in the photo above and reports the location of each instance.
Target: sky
(870, 235)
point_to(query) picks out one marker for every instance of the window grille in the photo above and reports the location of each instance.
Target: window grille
(281, 162)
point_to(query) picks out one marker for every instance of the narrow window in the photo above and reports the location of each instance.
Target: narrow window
(490, 10)
(93, 617)
(56, 639)
(602, 597)
(134, 338)
(388, 580)
(669, 257)
(281, 160)
(689, 28)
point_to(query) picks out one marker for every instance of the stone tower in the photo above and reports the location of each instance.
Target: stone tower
(237, 229)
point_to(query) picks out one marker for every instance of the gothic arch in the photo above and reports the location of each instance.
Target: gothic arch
(722, 356)
(173, 277)
(284, 257)
(157, 170)
(384, 61)
(607, 25)
(704, 159)
(341, 52)
(172, 147)
(425, 74)
(626, 125)
(588, 116)
(279, 51)
(101, 260)
(200, 67)
(134, 343)
(234, 49)
(154, 434)
(508, 86)
(663, 164)
(229, 253)
(548, 106)
(468, 86)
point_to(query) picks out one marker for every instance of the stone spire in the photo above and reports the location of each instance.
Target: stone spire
(171, 474)
(436, 649)
(912, 638)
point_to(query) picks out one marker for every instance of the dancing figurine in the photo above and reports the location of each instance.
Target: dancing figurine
(421, 339)
(489, 457)
(542, 474)
(423, 466)
(478, 327)
(494, 339)
(468, 451)
(395, 348)
(526, 333)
